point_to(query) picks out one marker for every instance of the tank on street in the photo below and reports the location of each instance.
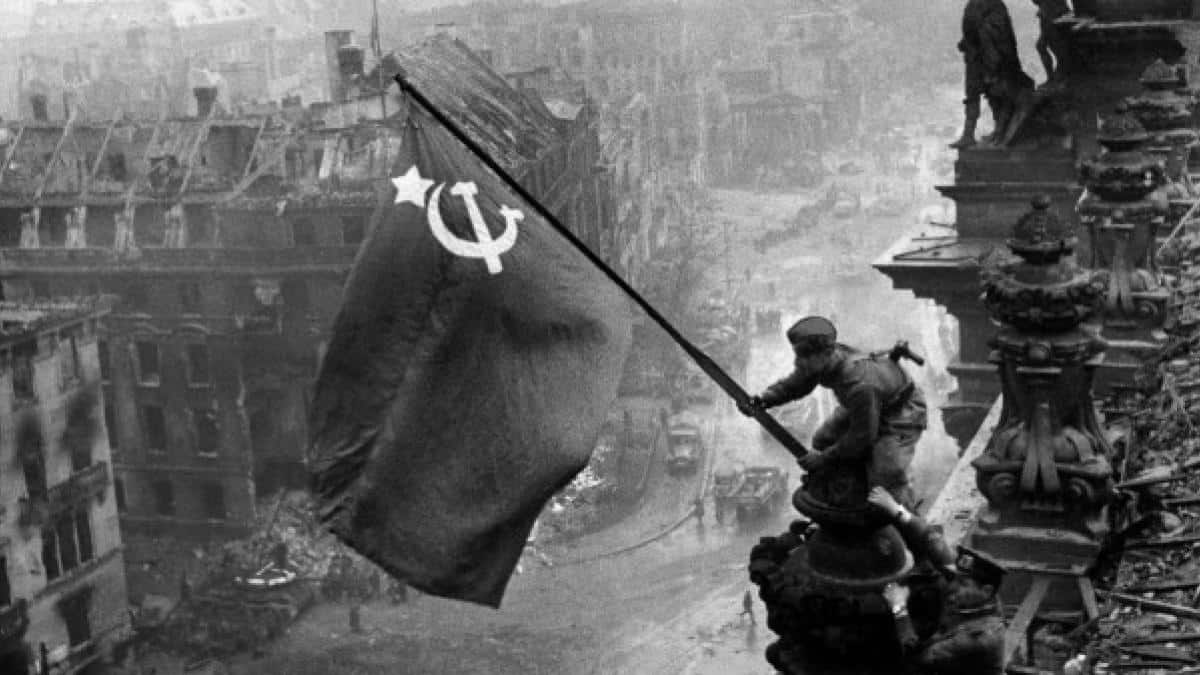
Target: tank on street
(762, 490)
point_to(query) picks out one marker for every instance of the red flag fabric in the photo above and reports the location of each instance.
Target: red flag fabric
(471, 364)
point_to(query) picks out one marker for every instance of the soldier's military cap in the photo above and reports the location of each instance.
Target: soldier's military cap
(812, 333)
(979, 566)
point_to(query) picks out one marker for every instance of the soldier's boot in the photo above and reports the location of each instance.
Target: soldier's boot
(967, 139)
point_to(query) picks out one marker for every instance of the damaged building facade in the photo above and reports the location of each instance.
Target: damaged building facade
(144, 57)
(62, 572)
(732, 88)
(226, 240)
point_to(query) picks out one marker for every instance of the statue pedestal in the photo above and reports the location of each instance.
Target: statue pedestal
(823, 587)
(1031, 552)
(993, 187)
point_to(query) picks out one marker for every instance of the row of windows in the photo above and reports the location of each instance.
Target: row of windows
(148, 362)
(206, 435)
(212, 498)
(135, 294)
(52, 232)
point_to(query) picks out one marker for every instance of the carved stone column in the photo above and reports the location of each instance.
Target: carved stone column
(822, 586)
(1124, 208)
(1166, 115)
(1045, 473)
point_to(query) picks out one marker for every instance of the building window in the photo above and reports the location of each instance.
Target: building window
(147, 358)
(5, 587)
(22, 371)
(33, 466)
(50, 554)
(116, 167)
(40, 288)
(204, 426)
(83, 534)
(110, 426)
(68, 552)
(296, 300)
(135, 296)
(68, 543)
(102, 353)
(197, 365)
(190, 300)
(68, 360)
(119, 492)
(74, 611)
(164, 497)
(303, 232)
(213, 496)
(353, 229)
(156, 428)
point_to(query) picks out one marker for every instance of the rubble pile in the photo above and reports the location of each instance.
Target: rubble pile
(1150, 616)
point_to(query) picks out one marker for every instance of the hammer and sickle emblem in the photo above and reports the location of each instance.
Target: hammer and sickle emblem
(485, 246)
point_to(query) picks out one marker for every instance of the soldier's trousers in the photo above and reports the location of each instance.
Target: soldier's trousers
(891, 454)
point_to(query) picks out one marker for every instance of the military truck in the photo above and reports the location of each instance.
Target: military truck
(762, 490)
(684, 442)
(727, 481)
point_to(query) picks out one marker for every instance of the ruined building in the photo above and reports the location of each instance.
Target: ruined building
(227, 240)
(62, 573)
(135, 57)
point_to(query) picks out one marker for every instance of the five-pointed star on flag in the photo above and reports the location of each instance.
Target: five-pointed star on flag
(411, 187)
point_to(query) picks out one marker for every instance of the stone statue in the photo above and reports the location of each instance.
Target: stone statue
(1051, 43)
(993, 70)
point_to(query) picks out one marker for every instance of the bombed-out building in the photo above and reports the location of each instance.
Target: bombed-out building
(62, 573)
(226, 240)
(143, 57)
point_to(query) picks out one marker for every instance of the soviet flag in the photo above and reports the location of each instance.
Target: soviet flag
(471, 365)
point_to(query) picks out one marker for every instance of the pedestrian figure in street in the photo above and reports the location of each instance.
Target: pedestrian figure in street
(355, 618)
(698, 509)
(748, 607)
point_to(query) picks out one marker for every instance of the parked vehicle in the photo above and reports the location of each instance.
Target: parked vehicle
(727, 481)
(762, 490)
(685, 444)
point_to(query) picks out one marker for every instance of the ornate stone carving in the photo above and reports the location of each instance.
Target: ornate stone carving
(1166, 114)
(1047, 463)
(822, 585)
(1124, 206)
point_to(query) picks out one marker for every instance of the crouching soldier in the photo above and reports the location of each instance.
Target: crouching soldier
(880, 414)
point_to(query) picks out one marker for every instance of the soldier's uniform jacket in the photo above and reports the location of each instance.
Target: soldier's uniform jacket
(973, 643)
(875, 394)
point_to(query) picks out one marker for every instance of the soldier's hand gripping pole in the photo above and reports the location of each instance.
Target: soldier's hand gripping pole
(710, 367)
